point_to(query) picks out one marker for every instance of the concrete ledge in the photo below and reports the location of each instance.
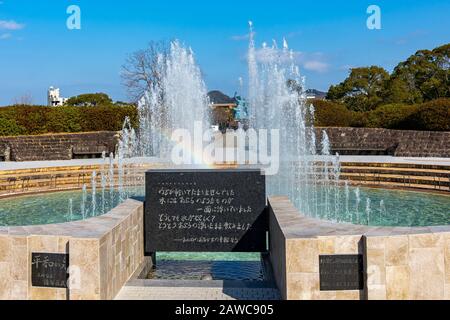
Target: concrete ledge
(58, 146)
(400, 263)
(104, 252)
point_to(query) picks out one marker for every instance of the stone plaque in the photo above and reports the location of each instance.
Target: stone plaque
(341, 272)
(205, 210)
(49, 270)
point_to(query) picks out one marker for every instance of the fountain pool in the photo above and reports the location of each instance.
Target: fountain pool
(363, 206)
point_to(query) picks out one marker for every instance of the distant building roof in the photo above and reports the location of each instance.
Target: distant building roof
(316, 93)
(218, 97)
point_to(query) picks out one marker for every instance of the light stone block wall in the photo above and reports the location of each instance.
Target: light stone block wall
(399, 263)
(105, 250)
(409, 267)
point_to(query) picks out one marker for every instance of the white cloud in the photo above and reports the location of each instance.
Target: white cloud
(243, 37)
(314, 62)
(5, 36)
(294, 34)
(406, 38)
(10, 25)
(346, 67)
(316, 66)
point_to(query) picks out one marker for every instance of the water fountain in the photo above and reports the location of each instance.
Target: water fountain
(176, 100)
(308, 173)
(83, 201)
(277, 100)
(94, 193)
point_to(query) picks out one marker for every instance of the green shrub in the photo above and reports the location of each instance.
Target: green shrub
(432, 116)
(331, 114)
(9, 128)
(391, 116)
(64, 119)
(31, 120)
(359, 119)
(90, 100)
(107, 118)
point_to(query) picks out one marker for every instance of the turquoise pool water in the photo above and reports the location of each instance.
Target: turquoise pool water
(385, 207)
(58, 207)
(208, 266)
(376, 207)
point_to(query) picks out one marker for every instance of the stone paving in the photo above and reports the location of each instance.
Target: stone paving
(197, 293)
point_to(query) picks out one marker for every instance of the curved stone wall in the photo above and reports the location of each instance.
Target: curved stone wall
(59, 178)
(105, 251)
(425, 177)
(399, 143)
(346, 141)
(63, 146)
(399, 263)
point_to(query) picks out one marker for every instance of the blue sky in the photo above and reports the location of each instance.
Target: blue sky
(37, 50)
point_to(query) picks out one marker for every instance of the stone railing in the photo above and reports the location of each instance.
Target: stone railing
(346, 141)
(57, 146)
(399, 143)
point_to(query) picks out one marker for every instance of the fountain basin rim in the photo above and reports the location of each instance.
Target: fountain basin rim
(95, 227)
(295, 225)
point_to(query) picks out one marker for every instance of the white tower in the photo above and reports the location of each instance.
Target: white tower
(54, 99)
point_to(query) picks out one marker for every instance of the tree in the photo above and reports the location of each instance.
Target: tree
(422, 77)
(24, 100)
(223, 117)
(362, 90)
(142, 69)
(90, 100)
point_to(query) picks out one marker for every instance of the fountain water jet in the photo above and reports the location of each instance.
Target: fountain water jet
(176, 100)
(277, 100)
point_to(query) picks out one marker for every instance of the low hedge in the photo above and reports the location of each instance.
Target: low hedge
(32, 120)
(331, 114)
(10, 128)
(430, 116)
(391, 116)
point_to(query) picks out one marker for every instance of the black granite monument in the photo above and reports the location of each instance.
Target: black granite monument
(49, 270)
(205, 210)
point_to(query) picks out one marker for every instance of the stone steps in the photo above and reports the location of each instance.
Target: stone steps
(397, 185)
(395, 165)
(394, 177)
(390, 169)
(398, 175)
(186, 290)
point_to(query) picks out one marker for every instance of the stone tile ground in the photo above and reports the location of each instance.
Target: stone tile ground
(197, 293)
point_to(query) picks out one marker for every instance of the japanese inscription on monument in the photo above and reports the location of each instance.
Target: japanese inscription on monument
(49, 270)
(341, 272)
(205, 210)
